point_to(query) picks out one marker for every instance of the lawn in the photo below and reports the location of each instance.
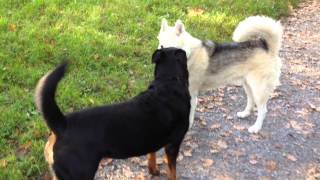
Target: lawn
(108, 43)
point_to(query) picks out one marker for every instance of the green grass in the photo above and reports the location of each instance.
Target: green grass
(109, 44)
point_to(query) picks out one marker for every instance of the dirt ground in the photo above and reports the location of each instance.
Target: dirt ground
(219, 146)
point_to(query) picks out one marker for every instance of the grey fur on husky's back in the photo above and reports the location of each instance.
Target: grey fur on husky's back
(228, 54)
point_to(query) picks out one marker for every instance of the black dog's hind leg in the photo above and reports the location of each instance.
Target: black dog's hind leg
(152, 164)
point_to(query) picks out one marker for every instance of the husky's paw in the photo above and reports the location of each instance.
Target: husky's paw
(243, 114)
(254, 129)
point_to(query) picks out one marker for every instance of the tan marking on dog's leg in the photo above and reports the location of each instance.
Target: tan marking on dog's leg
(152, 164)
(48, 153)
(171, 169)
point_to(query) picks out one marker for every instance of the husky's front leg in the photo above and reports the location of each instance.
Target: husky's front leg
(194, 101)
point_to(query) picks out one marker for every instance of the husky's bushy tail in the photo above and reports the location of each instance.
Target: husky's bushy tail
(45, 99)
(260, 27)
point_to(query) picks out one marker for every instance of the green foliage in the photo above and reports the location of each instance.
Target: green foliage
(109, 44)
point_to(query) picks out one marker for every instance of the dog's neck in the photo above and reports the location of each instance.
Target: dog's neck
(172, 79)
(191, 44)
(210, 46)
(168, 78)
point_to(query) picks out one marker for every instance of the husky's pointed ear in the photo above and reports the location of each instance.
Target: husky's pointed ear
(164, 25)
(157, 55)
(179, 27)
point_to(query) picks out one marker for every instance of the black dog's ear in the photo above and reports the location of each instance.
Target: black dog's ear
(157, 55)
(181, 54)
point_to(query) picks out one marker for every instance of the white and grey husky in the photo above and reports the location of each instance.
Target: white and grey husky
(251, 61)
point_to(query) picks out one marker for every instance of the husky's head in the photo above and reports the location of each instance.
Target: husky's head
(176, 36)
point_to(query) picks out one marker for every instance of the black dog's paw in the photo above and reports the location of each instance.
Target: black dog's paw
(154, 171)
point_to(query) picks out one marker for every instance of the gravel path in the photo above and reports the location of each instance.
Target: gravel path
(219, 146)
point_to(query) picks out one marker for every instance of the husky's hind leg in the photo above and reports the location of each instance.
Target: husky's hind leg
(261, 91)
(250, 103)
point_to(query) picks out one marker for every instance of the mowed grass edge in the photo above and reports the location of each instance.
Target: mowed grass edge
(109, 46)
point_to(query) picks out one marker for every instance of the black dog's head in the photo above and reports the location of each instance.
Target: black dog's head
(171, 63)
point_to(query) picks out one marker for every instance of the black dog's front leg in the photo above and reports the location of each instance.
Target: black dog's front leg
(171, 155)
(172, 151)
(152, 164)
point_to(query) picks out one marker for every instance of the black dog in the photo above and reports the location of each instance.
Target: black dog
(156, 118)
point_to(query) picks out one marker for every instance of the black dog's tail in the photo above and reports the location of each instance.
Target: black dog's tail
(44, 96)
